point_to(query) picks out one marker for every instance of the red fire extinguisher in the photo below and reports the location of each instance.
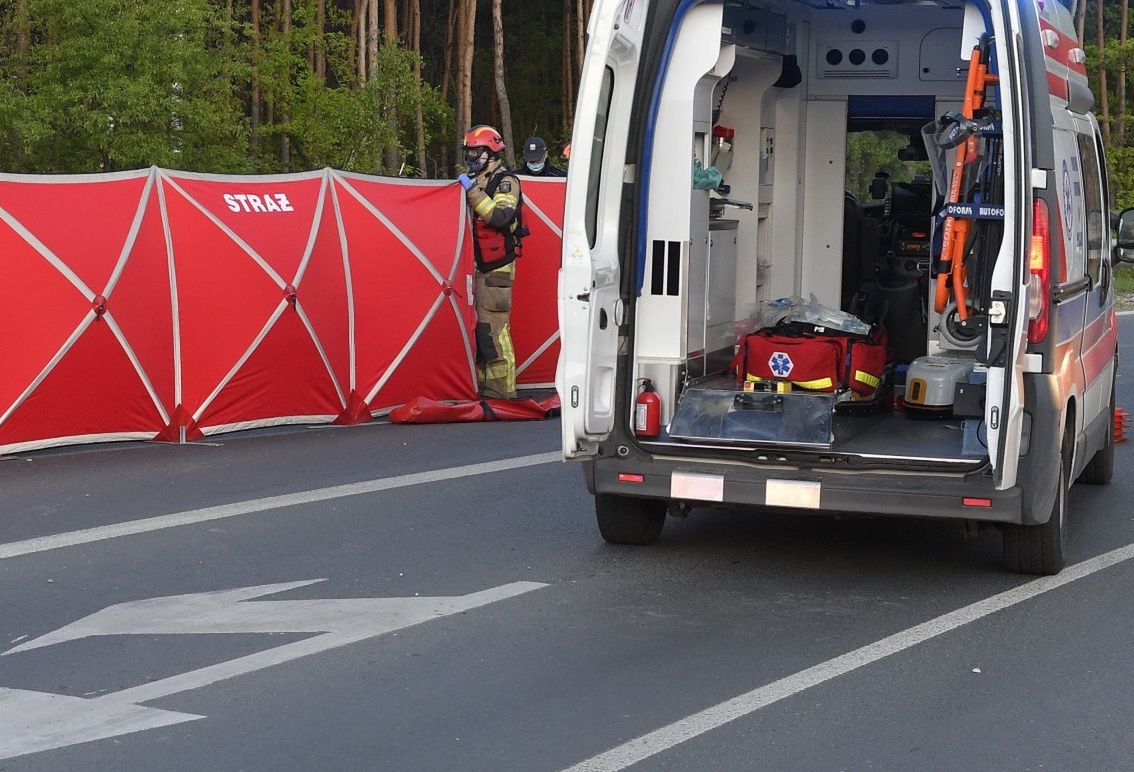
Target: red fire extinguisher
(647, 411)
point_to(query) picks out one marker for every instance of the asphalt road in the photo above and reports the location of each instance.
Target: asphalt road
(600, 649)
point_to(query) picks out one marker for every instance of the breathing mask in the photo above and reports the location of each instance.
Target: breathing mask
(537, 167)
(476, 158)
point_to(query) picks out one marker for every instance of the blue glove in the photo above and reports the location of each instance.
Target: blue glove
(466, 182)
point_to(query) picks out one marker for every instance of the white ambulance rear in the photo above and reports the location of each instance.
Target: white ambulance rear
(715, 149)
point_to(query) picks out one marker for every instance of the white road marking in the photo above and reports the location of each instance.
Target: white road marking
(680, 731)
(236, 509)
(39, 721)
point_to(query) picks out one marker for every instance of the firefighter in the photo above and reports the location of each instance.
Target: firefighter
(535, 160)
(494, 197)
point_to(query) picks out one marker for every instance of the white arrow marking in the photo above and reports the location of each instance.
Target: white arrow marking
(37, 721)
(34, 721)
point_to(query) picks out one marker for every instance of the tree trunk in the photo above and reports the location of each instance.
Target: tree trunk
(285, 139)
(372, 40)
(320, 48)
(390, 156)
(501, 87)
(358, 27)
(390, 37)
(568, 68)
(1121, 139)
(23, 42)
(1081, 20)
(580, 26)
(447, 64)
(447, 73)
(419, 113)
(22, 34)
(254, 106)
(466, 37)
(1104, 97)
(459, 99)
(390, 19)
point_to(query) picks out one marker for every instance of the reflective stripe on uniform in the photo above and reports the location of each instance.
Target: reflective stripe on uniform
(485, 206)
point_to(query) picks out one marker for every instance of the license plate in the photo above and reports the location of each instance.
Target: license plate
(801, 494)
(699, 487)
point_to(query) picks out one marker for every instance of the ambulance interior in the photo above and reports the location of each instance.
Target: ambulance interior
(815, 114)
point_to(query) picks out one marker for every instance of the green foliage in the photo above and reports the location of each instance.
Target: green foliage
(105, 85)
(349, 128)
(397, 91)
(116, 84)
(869, 152)
(1120, 161)
(1124, 279)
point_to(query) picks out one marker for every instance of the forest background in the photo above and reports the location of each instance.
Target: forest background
(372, 86)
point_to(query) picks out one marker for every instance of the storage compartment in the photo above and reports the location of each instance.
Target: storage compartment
(836, 128)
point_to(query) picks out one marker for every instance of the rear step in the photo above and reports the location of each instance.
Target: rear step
(755, 418)
(714, 416)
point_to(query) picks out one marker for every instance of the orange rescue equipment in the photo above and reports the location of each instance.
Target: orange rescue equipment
(951, 273)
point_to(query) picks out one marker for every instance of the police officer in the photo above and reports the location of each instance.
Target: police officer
(493, 195)
(535, 160)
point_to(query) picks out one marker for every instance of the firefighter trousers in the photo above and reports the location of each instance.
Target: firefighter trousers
(495, 356)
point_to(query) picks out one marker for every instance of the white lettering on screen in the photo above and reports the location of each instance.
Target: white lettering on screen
(250, 202)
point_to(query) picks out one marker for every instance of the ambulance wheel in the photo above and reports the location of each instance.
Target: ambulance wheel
(1101, 466)
(627, 520)
(1041, 549)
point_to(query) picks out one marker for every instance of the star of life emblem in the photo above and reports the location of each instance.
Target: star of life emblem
(780, 364)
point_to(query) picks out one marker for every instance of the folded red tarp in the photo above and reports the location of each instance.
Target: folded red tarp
(422, 410)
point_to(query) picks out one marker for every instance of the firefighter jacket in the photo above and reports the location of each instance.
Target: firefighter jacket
(498, 227)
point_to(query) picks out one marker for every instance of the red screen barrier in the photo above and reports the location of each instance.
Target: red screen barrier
(535, 319)
(168, 305)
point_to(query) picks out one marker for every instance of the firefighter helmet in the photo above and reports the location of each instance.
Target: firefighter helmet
(486, 137)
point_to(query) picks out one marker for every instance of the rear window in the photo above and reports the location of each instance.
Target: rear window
(1093, 202)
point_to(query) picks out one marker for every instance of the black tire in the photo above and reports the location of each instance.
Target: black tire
(626, 520)
(1041, 549)
(1100, 468)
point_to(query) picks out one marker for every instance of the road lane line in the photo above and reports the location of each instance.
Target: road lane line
(236, 509)
(680, 731)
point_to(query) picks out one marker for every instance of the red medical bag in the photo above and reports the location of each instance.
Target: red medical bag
(809, 362)
(814, 358)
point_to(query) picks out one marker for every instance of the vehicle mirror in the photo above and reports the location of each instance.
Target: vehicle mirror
(913, 152)
(1125, 229)
(878, 188)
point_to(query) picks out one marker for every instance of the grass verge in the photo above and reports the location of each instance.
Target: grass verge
(1124, 287)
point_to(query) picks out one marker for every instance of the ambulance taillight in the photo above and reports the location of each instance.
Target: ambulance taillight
(1039, 265)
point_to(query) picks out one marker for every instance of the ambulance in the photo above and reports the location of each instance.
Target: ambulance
(926, 175)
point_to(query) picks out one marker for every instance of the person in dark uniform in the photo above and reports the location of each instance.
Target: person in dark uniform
(535, 160)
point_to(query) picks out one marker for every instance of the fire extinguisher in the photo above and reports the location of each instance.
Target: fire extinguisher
(647, 411)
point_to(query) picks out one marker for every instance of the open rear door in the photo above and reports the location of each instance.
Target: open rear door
(590, 308)
(1007, 356)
